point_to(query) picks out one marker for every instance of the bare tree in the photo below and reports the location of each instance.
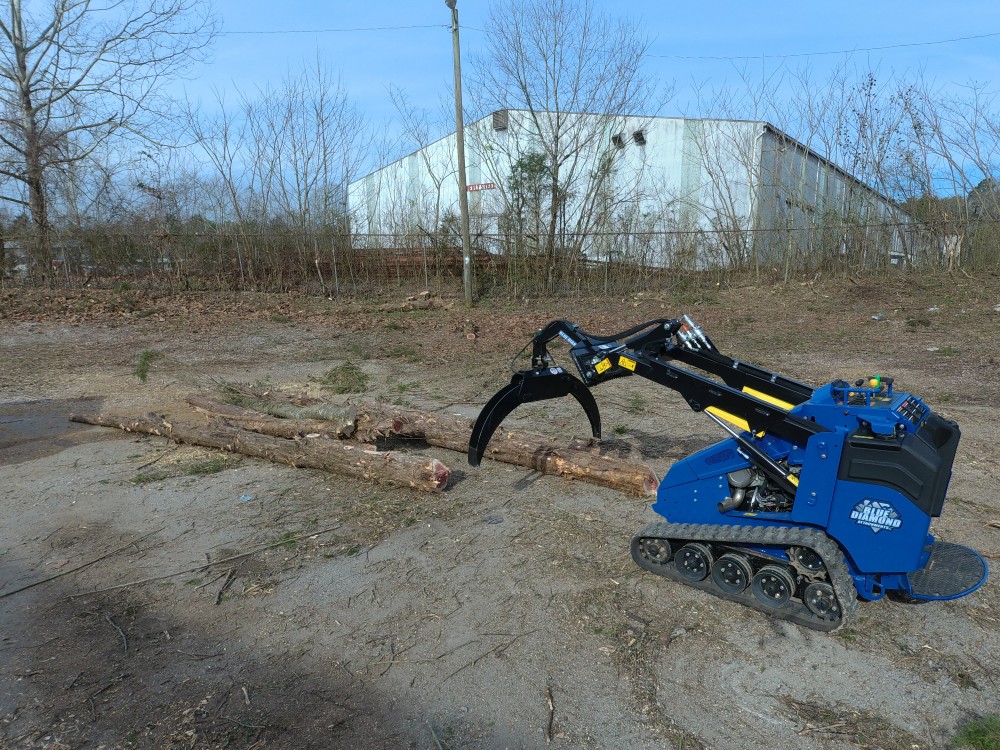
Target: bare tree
(829, 160)
(318, 137)
(559, 60)
(417, 127)
(284, 156)
(960, 137)
(75, 73)
(285, 153)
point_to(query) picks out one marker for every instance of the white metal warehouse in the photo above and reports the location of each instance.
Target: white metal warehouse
(720, 187)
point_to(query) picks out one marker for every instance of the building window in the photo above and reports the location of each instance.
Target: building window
(500, 119)
(618, 139)
(639, 137)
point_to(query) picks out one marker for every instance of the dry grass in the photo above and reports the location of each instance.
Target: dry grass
(862, 728)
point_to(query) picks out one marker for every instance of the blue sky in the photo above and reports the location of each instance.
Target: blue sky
(407, 44)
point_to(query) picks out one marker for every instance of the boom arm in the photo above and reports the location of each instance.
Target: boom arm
(750, 397)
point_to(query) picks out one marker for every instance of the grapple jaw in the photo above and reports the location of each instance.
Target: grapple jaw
(537, 384)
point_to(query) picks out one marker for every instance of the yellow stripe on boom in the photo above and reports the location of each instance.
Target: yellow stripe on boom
(768, 399)
(742, 423)
(731, 418)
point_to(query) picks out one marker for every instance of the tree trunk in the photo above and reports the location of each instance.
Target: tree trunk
(314, 453)
(439, 430)
(31, 149)
(536, 452)
(344, 417)
(341, 424)
(553, 270)
(519, 448)
(35, 179)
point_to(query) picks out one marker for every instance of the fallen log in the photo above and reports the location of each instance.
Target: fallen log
(335, 456)
(441, 430)
(367, 428)
(423, 301)
(514, 447)
(256, 421)
(526, 449)
(344, 417)
(235, 390)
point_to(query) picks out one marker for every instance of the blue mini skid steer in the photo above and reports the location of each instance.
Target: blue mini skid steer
(816, 497)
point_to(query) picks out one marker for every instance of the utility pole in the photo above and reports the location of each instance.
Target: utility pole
(463, 195)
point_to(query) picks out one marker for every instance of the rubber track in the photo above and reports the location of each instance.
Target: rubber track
(781, 536)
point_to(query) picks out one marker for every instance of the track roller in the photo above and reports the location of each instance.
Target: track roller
(806, 561)
(732, 572)
(655, 551)
(773, 585)
(821, 600)
(693, 561)
(796, 575)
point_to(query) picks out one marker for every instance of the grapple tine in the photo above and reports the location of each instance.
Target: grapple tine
(496, 410)
(524, 387)
(584, 397)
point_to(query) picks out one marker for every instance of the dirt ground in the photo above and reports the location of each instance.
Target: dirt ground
(497, 614)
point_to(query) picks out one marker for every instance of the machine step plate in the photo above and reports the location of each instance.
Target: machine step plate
(952, 571)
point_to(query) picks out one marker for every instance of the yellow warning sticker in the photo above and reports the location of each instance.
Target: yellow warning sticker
(602, 366)
(628, 364)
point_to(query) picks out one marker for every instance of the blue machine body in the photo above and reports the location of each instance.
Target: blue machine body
(885, 518)
(818, 495)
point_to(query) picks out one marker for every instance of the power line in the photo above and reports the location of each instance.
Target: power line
(901, 45)
(831, 52)
(333, 31)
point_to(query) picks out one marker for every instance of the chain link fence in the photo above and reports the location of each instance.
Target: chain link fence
(333, 263)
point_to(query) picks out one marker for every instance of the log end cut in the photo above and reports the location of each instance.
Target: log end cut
(650, 484)
(440, 474)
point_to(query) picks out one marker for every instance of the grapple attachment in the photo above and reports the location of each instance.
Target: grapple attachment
(537, 384)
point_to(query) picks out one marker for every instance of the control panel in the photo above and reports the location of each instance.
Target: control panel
(911, 409)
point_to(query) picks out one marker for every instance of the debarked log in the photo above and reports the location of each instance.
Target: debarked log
(339, 457)
(446, 431)
(441, 430)
(514, 447)
(256, 421)
(343, 417)
(526, 449)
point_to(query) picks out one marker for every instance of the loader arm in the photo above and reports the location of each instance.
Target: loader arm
(749, 397)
